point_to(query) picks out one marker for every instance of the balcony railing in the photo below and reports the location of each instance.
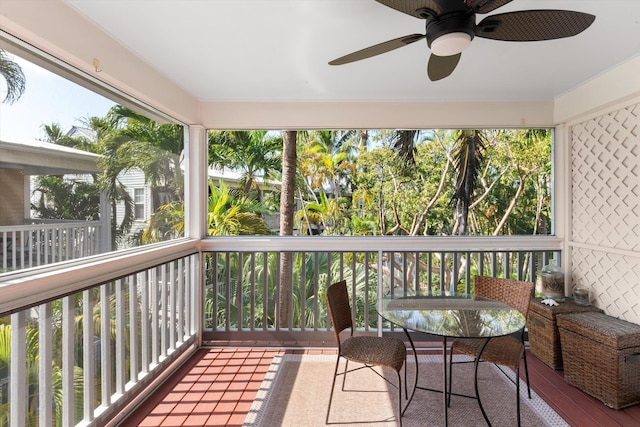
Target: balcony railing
(92, 339)
(82, 357)
(32, 245)
(244, 278)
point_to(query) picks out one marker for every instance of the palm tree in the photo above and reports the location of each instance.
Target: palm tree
(128, 140)
(287, 211)
(13, 76)
(328, 158)
(403, 142)
(230, 213)
(254, 153)
(467, 157)
(154, 148)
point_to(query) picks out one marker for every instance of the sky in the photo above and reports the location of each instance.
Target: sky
(47, 99)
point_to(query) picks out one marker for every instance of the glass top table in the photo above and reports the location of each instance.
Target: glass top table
(451, 316)
(457, 315)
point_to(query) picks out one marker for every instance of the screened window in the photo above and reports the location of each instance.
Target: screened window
(84, 170)
(426, 182)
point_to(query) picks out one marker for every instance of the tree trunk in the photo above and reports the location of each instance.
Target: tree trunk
(287, 210)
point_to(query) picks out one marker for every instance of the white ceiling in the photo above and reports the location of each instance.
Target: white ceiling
(277, 50)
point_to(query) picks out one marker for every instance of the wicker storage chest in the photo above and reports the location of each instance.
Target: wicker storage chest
(601, 356)
(544, 338)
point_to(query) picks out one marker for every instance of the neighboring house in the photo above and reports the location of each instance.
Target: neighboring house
(21, 162)
(25, 240)
(80, 132)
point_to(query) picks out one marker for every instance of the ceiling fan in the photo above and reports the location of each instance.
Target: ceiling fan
(451, 25)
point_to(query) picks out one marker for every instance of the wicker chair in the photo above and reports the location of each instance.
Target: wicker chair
(369, 351)
(502, 351)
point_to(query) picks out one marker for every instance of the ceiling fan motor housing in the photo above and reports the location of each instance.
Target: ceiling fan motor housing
(454, 22)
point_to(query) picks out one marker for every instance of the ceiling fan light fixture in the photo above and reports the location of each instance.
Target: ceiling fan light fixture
(450, 44)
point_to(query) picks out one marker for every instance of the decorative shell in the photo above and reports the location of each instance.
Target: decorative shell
(549, 301)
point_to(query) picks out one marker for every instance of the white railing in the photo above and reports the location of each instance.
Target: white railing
(243, 278)
(82, 357)
(92, 336)
(32, 245)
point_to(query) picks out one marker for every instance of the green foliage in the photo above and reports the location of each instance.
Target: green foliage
(32, 378)
(13, 76)
(67, 200)
(247, 283)
(256, 154)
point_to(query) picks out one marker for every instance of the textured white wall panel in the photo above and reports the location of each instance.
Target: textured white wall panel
(614, 281)
(605, 212)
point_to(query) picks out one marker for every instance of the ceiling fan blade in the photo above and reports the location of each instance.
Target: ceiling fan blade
(440, 67)
(485, 6)
(534, 25)
(377, 49)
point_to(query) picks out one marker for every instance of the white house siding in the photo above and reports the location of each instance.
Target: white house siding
(133, 179)
(605, 200)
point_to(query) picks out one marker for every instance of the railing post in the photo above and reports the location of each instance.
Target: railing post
(88, 355)
(68, 361)
(45, 350)
(380, 289)
(17, 387)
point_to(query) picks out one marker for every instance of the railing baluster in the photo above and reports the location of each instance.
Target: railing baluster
(303, 260)
(506, 267)
(105, 347)
(164, 312)
(180, 307)
(155, 357)
(442, 272)
(252, 281)
(120, 337)
(366, 290)
(20, 249)
(265, 291)
(429, 272)
(467, 272)
(17, 385)
(68, 396)
(88, 355)
(5, 249)
(45, 353)
(30, 248)
(316, 289)
(494, 263)
(145, 339)
(134, 366)
(227, 295)
(172, 306)
(239, 295)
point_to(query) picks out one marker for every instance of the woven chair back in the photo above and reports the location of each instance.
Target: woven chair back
(515, 293)
(339, 307)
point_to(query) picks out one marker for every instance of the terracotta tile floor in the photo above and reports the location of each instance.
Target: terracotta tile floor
(216, 387)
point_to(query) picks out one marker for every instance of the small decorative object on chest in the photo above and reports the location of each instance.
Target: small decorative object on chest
(581, 295)
(551, 282)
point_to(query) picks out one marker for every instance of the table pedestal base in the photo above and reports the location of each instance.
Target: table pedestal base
(446, 394)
